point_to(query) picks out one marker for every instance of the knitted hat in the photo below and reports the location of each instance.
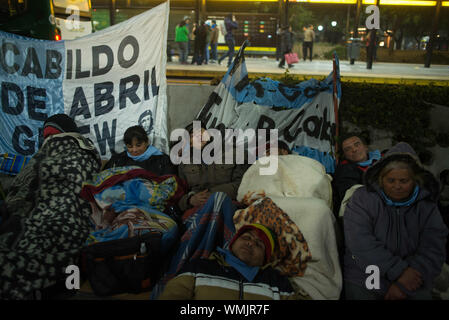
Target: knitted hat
(265, 234)
(59, 123)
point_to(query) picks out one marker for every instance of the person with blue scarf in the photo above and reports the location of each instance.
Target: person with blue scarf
(240, 272)
(140, 153)
(349, 172)
(393, 229)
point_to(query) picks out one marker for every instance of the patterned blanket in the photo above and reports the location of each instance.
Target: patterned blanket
(130, 201)
(48, 222)
(293, 252)
(209, 227)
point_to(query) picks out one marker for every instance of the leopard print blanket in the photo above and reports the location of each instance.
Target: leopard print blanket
(48, 222)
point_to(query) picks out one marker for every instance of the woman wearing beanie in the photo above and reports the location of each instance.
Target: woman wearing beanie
(47, 221)
(140, 153)
(241, 272)
(392, 225)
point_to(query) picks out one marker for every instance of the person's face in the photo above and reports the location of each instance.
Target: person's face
(199, 139)
(398, 184)
(136, 148)
(355, 150)
(249, 248)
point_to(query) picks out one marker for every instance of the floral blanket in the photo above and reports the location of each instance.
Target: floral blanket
(130, 201)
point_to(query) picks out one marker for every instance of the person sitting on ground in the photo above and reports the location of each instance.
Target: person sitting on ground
(240, 272)
(205, 179)
(393, 223)
(140, 153)
(349, 172)
(46, 221)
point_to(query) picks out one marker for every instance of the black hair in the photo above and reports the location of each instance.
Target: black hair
(137, 132)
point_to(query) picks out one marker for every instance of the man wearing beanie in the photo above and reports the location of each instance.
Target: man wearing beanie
(242, 272)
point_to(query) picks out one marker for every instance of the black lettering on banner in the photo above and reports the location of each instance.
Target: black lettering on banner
(78, 73)
(286, 133)
(79, 105)
(146, 92)
(106, 136)
(29, 144)
(34, 104)
(310, 92)
(128, 40)
(69, 62)
(130, 92)
(214, 98)
(214, 122)
(260, 91)
(53, 63)
(265, 120)
(103, 92)
(242, 83)
(154, 86)
(7, 46)
(326, 126)
(284, 93)
(316, 122)
(96, 51)
(84, 129)
(32, 64)
(8, 87)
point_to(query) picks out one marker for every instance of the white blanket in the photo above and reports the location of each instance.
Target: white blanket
(302, 189)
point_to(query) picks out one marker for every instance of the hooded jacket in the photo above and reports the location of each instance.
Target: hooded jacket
(394, 238)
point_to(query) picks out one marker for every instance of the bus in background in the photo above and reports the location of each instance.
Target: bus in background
(46, 19)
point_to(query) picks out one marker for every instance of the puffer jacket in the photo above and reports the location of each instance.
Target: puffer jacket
(394, 238)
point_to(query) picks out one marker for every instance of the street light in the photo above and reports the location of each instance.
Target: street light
(320, 28)
(334, 23)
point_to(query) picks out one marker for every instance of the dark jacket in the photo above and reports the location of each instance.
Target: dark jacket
(346, 175)
(157, 164)
(394, 238)
(230, 25)
(286, 41)
(214, 279)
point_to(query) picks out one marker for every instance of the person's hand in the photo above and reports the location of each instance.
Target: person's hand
(200, 198)
(411, 279)
(395, 293)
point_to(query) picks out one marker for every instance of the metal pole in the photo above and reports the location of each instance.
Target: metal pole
(355, 33)
(371, 45)
(112, 12)
(286, 13)
(429, 48)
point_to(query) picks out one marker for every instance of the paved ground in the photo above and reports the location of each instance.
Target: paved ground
(380, 72)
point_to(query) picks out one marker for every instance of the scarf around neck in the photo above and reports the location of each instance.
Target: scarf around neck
(372, 156)
(248, 272)
(151, 151)
(408, 202)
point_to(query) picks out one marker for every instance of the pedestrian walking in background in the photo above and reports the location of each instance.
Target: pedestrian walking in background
(230, 24)
(286, 44)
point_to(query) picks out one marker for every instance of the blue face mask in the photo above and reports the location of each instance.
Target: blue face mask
(151, 151)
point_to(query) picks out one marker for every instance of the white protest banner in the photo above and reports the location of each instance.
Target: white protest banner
(303, 114)
(106, 81)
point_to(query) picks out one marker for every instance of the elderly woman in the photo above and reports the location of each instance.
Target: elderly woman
(140, 153)
(392, 224)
